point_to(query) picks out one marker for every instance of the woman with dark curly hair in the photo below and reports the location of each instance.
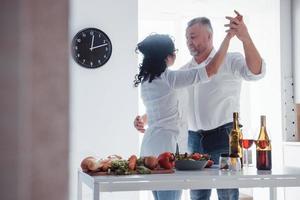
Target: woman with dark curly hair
(158, 91)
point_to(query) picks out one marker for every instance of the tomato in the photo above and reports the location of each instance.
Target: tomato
(209, 163)
(206, 156)
(196, 156)
(166, 160)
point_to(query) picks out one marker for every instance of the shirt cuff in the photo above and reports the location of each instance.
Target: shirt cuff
(262, 73)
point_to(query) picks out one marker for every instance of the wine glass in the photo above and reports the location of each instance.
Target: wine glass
(246, 142)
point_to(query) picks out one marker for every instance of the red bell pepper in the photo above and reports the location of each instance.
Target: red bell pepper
(166, 160)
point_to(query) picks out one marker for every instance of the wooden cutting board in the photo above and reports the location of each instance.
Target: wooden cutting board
(155, 171)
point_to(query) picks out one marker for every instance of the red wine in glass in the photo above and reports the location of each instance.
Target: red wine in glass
(246, 143)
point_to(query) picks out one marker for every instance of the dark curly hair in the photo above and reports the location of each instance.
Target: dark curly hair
(155, 49)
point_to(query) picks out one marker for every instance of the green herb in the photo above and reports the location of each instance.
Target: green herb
(140, 161)
(120, 167)
(143, 170)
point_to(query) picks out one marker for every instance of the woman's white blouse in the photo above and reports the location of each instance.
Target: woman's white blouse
(161, 102)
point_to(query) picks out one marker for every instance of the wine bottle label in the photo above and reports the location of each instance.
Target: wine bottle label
(234, 138)
(234, 143)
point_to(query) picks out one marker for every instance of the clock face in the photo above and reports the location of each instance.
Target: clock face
(91, 48)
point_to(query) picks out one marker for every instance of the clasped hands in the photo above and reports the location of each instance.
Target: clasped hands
(237, 27)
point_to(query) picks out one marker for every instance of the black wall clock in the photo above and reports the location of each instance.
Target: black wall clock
(91, 48)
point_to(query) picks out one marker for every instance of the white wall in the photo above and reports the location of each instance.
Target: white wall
(103, 101)
(296, 48)
(290, 15)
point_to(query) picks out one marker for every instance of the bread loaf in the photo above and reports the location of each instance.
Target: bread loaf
(89, 164)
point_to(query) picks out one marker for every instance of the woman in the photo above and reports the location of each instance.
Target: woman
(158, 91)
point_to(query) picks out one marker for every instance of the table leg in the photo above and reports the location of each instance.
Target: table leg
(79, 187)
(96, 192)
(273, 193)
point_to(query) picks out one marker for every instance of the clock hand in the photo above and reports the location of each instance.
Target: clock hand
(92, 43)
(102, 45)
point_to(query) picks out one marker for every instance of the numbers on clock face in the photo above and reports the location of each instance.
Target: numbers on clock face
(91, 48)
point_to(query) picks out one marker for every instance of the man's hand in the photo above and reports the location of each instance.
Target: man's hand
(238, 26)
(230, 34)
(139, 124)
(253, 59)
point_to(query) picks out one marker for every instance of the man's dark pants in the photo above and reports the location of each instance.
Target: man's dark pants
(213, 142)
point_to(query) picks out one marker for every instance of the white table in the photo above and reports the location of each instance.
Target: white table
(205, 179)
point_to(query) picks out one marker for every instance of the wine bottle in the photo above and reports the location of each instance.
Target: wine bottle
(234, 138)
(263, 147)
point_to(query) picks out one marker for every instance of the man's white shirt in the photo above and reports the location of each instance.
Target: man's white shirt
(212, 103)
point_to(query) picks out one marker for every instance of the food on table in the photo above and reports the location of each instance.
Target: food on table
(193, 156)
(166, 160)
(151, 162)
(92, 164)
(132, 161)
(140, 161)
(115, 165)
(209, 163)
(143, 170)
(120, 167)
(197, 156)
(89, 164)
(106, 163)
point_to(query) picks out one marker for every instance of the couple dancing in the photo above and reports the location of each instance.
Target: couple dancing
(213, 83)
